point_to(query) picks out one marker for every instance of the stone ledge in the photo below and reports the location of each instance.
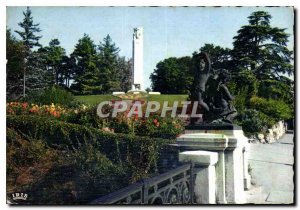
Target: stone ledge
(212, 126)
(199, 157)
(205, 141)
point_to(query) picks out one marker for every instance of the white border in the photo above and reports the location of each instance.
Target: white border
(102, 3)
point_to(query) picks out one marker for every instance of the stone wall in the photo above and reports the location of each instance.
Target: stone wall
(274, 133)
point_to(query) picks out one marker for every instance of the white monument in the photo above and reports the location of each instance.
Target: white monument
(138, 73)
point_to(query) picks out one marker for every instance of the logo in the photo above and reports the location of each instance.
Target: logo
(19, 196)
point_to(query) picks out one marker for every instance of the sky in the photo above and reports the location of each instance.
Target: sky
(168, 31)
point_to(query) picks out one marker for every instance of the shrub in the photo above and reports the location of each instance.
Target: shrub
(138, 153)
(86, 116)
(254, 121)
(278, 110)
(54, 94)
(159, 127)
(52, 176)
(153, 126)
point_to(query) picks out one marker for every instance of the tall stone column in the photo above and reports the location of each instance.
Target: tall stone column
(138, 81)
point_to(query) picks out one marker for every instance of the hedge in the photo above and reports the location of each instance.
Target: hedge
(52, 176)
(138, 153)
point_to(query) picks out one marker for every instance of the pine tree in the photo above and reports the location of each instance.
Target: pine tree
(54, 56)
(262, 49)
(125, 68)
(262, 61)
(85, 73)
(109, 72)
(29, 40)
(68, 64)
(14, 66)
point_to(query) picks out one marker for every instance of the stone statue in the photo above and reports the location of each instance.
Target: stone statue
(211, 92)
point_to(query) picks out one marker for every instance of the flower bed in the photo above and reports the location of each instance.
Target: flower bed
(153, 126)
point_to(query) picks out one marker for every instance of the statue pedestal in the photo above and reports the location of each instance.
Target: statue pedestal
(232, 166)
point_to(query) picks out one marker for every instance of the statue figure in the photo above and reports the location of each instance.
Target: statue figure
(211, 92)
(220, 102)
(203, 66)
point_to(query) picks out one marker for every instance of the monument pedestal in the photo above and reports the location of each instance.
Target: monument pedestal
(232, 166)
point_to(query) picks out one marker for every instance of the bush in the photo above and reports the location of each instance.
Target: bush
(52, 176)
(137, 153)
(86, 116)
(153, 126)
(159, 127)
(54, 94)
(254, 121)
(277, 110)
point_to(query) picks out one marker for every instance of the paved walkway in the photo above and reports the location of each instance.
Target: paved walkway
(272, 172)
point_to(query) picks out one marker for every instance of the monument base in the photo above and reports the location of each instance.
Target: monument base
(232, 146)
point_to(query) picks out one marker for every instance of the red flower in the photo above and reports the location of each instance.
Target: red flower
(155, 121)
(24, 105)
(136, 117)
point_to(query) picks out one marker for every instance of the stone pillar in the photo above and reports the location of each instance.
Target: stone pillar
(212, 142)
(205, 182)
(247, 177)
(235, 168)
(234, 176)
(220, 171)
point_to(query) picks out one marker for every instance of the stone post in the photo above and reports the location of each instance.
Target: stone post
(205, 182)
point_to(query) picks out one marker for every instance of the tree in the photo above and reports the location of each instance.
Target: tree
(37, 77)
(14, 66)
(85, 61)
(54, 57)
(125, 68)
(262, 49)
(110, 74)
(29, 40)
(261, 60)
(220, 57)
(175, 75)
(99, 70)
(172, 76)
(68, 64)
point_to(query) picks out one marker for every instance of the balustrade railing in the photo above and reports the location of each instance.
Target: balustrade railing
(173, 187)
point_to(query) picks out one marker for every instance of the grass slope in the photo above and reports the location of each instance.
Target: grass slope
(96, 99)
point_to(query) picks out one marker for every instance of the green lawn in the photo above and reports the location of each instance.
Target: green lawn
(96, 99)
(169, 98)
